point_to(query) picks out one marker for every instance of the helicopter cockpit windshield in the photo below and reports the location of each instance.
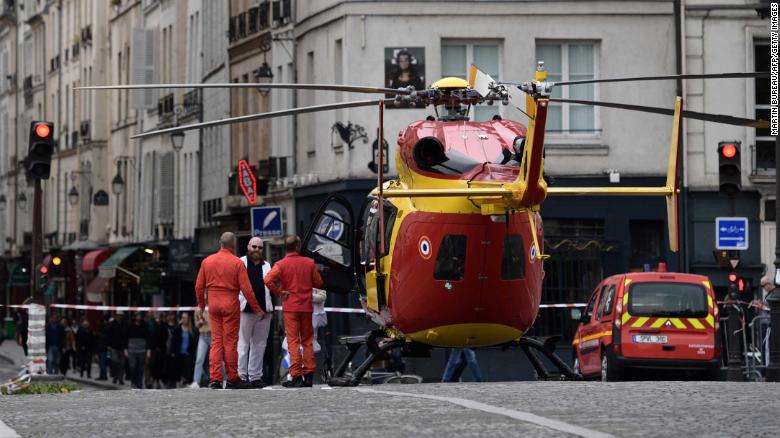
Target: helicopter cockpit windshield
(430, 156)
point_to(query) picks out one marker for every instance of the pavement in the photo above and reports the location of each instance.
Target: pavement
(535, 409)
(12, 358)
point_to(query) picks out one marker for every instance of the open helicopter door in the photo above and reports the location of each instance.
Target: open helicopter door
(330, 241)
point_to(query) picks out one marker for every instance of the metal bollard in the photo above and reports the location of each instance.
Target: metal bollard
(734, 373)
(773, 370)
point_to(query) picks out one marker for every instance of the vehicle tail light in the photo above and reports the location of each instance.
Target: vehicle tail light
(618, 314)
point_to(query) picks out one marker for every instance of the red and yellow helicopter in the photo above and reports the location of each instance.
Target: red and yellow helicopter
(450, 254)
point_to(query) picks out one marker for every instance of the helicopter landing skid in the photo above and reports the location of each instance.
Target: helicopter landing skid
(376, 351)
(547, 347)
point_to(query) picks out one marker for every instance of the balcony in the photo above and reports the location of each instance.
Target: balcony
(54, 63)
(282, 12)
(762, 158)
(248, 23)
(86, 35)
(191, 104)
(85, 130)
(165, 108)
(27, 88)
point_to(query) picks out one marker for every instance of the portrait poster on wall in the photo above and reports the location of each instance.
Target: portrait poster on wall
(404, 66)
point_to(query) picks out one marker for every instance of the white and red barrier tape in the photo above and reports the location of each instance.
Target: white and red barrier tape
(194, 308)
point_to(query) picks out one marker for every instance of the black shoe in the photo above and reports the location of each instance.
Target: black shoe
(238, 384)
(296, 382)
(308, 381)
(215, 385)
(257, 384)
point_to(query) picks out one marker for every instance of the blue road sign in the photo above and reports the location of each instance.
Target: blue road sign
(267, 222)
(731, 233)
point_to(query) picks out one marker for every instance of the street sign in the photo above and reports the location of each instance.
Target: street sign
(267, 222)
(247, 181)
(731, 233)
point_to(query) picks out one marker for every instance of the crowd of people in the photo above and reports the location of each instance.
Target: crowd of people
(150, 350)
(222, 344)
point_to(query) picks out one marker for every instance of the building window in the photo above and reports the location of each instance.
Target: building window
(570, 61)
(456, 60)
(451, 260)
(765, 143)
(646, 243)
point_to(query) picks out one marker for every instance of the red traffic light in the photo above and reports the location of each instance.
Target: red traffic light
(42, 130)
(43, 270)
(729, 150)
(732, 277)
(741, 285)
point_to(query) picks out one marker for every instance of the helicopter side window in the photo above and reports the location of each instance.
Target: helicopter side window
(451, 260)
(332, 236)
(429, 155)
(512, 259)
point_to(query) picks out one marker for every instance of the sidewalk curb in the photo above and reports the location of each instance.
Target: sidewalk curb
(95, 383)
(7, 359)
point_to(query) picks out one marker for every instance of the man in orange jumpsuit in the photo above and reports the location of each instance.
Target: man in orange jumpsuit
(297, 275)
(222, 275)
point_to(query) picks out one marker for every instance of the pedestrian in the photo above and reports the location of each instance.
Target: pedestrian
(459, 358)
(253, 333)
(85, 343)
(157, 345)
(204, 343)
(223, 275)
(101, 347)
(69, 347)
(137, 350)
(74, 355)
(293, 279)
(171, 372)
(21, 329)
(55, 340)
(185, 344)
(767, 286)
(117, 342)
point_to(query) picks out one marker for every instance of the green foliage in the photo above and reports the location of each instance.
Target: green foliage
(42, 388)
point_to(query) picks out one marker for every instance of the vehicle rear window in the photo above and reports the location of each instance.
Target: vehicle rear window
(667, 299)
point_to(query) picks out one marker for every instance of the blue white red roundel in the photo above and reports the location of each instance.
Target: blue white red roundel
(425, 247)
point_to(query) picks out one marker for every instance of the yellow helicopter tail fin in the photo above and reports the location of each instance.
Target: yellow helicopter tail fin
(669, 190)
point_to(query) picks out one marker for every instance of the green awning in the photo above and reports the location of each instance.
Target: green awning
(109, 267)
(20, 276)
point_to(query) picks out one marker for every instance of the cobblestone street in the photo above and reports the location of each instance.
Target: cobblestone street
(496, 409)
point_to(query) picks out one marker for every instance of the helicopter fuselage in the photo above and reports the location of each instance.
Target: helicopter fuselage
(453, 276)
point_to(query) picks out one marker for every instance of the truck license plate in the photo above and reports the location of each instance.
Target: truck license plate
(650, 339)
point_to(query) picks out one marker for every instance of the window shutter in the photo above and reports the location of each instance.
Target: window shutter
(165, 189)
(144, 67)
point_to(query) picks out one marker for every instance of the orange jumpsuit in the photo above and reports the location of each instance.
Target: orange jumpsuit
(297, 275)
(223, 274)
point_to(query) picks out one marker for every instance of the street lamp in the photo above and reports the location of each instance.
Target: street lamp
(2, 202)
(177, 140)
(117, 184)
(73, 196)
(22, 201)
(264, 75)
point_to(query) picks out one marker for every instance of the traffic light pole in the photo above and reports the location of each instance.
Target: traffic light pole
(773, 299)
(37, 240)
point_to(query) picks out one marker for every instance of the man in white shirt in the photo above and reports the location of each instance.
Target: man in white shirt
(253, 332)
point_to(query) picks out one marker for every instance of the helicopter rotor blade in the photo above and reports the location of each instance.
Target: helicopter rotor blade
(259, 116)
(670, 77)
(717, 118)
(317, 87)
